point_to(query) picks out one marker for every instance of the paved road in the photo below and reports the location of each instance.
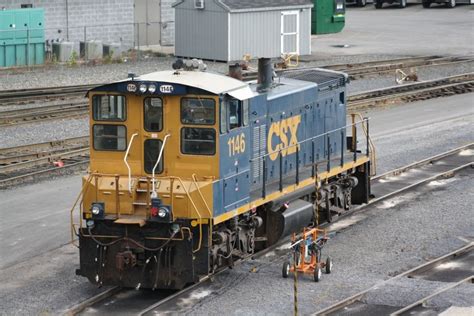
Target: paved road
(35, 218)
(410, 31)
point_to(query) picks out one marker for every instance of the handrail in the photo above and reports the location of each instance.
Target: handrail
(81, 194)
(153, 190)
(371, 144)
(200, 193)
(126, 162)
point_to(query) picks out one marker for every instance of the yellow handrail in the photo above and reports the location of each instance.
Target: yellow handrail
(200, 193)
(83, 191)
(371, 143)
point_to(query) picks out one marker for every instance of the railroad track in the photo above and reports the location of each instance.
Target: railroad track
(397, 94)
(403, 93)
(43, 113)
(384, 186)
(23, 163)
(23, 95)
(381, 67)
(413, 92)
(462, 261)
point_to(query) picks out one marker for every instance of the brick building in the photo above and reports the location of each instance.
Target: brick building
(130, 22)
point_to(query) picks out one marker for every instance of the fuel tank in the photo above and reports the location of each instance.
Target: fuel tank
(287, 219)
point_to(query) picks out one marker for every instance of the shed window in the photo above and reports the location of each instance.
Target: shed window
(198, 111)
(110, 137)
(152, 149)
(198, 141)
(109, 107)
(153, 112)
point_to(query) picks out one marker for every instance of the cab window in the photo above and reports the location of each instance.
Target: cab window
(198, 141)
(152, 149)
(153, 112)
(109, 107)
(110, 137)
(198, 111)
(234, 114)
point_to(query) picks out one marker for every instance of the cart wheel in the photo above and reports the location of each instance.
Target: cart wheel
(328, 265)
(286, 269)
(317, 274)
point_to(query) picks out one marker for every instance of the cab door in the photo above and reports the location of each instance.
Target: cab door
(235, 152)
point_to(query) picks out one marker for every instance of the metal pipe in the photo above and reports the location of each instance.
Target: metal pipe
(67, 20)
(153, 193)
(126, 163)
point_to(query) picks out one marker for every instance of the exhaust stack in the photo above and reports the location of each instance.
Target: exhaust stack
(265, 74)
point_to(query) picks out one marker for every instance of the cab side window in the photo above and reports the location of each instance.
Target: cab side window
(109, 108)
(234, 114)
(153, 114)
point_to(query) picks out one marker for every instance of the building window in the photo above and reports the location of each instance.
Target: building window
(26, 6)
(153, 112)
(198, 111)
(198, 141)
(110, 137)
(109, 108)
(152, 149)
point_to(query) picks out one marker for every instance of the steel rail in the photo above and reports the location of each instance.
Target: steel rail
(43, 113)
(424, 299)
(347, 301)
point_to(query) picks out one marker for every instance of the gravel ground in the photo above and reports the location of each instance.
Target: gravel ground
(399, 234)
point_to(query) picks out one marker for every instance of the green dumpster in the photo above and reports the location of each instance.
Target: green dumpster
(328, 16)
(21, 37)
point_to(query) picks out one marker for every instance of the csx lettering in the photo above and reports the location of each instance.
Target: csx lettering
(287, 132)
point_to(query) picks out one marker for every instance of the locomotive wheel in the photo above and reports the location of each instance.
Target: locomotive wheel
(402, 4)
(286, 269)
(451, 3)
(426, 4)
(328, 265)
(317, 274)
(378, 4)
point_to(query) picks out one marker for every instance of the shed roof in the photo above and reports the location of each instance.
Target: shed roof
(257, 5)
(260, 4)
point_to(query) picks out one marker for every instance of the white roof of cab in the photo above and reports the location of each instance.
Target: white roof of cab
(214, 83)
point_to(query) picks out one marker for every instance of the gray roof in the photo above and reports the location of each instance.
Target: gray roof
(260, 4)
(257, 5)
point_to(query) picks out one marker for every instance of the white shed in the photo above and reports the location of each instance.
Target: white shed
(226, 30)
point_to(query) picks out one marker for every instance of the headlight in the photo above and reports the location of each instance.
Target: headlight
(152, 88)
(339, 6)
(143, 88)
(162, 212)
(95, 210)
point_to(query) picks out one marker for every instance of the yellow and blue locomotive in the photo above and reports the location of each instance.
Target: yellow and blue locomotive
(191, 170)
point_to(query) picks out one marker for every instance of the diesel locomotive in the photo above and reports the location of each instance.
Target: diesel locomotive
(191, 170)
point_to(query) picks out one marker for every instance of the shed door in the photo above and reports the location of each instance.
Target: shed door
(290, 27)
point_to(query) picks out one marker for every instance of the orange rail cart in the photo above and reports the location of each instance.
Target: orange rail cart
(307, 254)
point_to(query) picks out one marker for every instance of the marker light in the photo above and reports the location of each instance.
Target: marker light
(152, 88)
(143, 88)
